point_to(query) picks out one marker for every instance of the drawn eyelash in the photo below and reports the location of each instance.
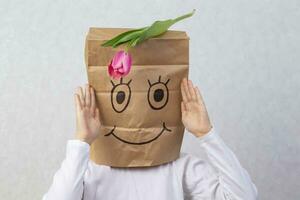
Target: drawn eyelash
(121, 82)
(159, 81)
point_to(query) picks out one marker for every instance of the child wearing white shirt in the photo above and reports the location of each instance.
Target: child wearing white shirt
(218, 176)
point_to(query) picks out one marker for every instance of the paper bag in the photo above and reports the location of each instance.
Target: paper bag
(140, 113)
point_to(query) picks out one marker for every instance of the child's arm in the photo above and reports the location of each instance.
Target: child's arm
(223, 177)
(69, 179)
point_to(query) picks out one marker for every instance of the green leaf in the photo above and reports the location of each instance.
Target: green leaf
(128, 37)
(133, 42)
(114, 40)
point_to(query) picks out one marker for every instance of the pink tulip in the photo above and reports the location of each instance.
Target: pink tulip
(120, 65)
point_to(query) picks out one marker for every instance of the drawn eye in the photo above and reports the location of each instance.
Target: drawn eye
(120, 96)
(158, 94)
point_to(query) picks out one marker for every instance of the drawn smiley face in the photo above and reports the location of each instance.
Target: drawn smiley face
(157, 96)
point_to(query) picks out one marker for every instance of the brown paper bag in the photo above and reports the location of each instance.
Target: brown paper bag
(143, 128)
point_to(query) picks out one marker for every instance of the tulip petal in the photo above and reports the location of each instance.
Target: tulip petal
(118, 59)
(116, 75)
(121, 70)
(110, 69)
(126, 63)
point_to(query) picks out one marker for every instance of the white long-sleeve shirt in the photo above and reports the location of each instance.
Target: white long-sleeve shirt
(218, 176)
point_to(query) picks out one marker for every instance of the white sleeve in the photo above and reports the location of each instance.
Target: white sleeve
(68, 180)
(234, 183)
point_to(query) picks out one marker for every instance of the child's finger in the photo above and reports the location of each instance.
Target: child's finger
(93, 101)
(97, 114)
(183, 109)
(81, 95)
(185, 88)
(183, 94)
(87, 96)
(191, 90)
(199, 97)
(77, 103)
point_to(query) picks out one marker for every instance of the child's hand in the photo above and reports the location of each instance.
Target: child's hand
(87, 115)
(194, 113)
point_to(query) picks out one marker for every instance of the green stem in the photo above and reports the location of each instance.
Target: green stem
(184, 16)
(126, 49)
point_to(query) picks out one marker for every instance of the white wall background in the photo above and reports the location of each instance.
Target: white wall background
(245, 56)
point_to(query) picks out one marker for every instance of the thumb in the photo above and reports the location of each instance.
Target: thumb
(97, 114)
(183, 108)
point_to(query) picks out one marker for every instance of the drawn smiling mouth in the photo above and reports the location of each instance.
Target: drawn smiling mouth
(138, 143)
